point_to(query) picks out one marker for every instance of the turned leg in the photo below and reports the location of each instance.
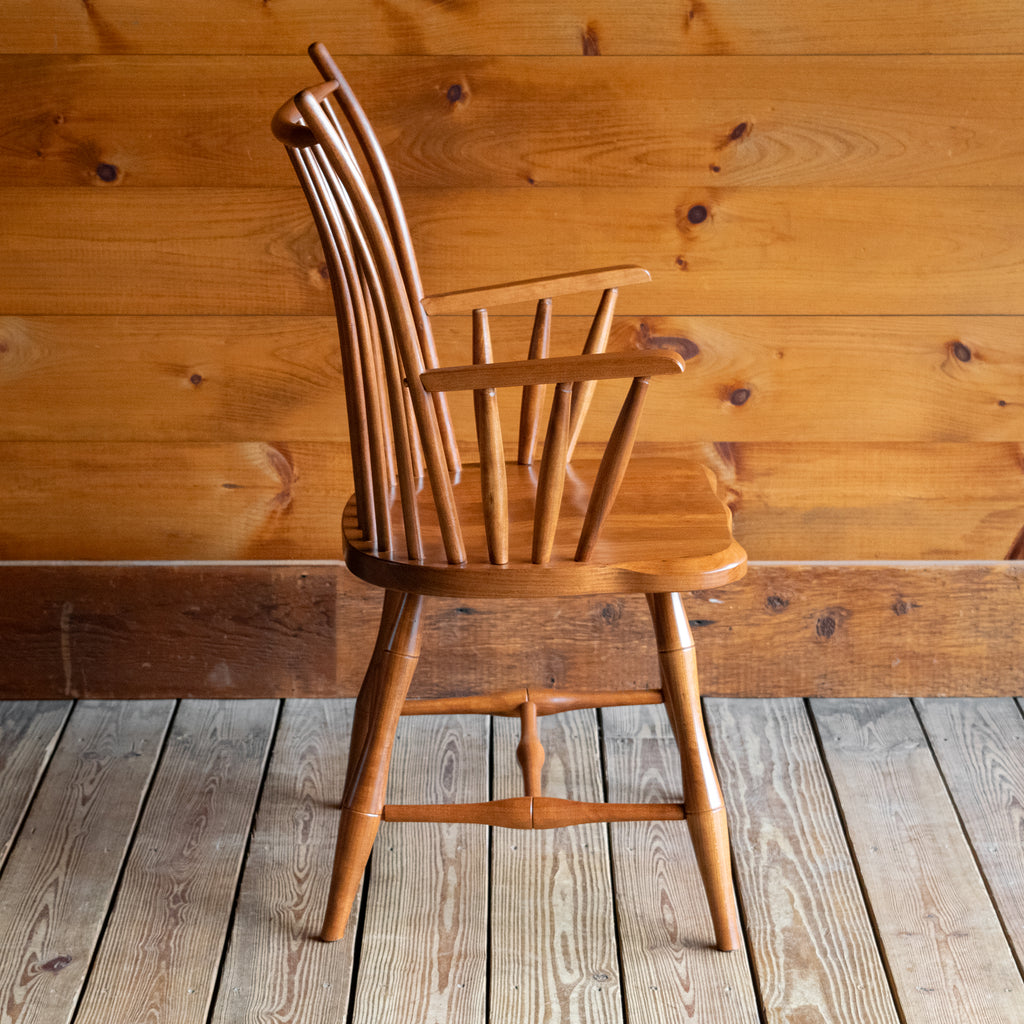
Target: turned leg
(378, 709)
(705, 809)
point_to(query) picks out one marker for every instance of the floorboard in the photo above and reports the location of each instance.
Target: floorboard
(162, 945)
(801, 901)
(169, 863)
(424, 948)
(61, 876)
(275, 969)
(553, 951)
(947, 954)
(670, 966)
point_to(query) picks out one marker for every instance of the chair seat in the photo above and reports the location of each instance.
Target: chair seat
(667, 531)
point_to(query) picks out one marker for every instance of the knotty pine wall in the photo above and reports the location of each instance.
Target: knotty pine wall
(829, 196)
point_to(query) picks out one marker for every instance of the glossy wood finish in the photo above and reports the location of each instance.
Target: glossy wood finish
(467, 527)
(705, 808)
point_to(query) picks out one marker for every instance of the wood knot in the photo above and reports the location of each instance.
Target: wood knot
(58, 963)
(687, 348)
(960, 351)
(776, 602)
(196, 379)
(457, 93)
(107, 172)
(591, 44)
(740, 396)
(697, 214)
(827, 624)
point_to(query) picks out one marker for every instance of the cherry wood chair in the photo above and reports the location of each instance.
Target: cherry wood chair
(423, 523)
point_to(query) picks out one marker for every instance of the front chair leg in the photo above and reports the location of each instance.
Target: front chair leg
(378, 709)
(705, 808)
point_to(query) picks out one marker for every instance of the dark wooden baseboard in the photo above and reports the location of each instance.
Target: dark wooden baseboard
(150, 630)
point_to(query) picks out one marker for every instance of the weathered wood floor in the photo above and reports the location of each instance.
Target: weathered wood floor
(166, 862)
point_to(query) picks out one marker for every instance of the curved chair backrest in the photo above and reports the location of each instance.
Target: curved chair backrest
(396, 429)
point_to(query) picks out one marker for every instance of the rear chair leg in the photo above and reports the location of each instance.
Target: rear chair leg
(378, 709)
(705, 808)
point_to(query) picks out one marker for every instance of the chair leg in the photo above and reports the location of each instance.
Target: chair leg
(705, 808)
(378, 709)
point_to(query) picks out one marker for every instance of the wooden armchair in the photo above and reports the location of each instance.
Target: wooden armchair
(422, 523)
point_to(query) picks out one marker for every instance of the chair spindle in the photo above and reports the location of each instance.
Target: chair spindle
(613, 467)
(493, 481)
(530, 752)
(533, 394)
(597, 341)
(552, 475)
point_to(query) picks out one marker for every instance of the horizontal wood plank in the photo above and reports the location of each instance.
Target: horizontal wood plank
(171, 501)
(131, 378)
(275, 500)
(215, 379)
(274, 631)
(534, 26)
(200, 121)
(174, 631)
(828, 251)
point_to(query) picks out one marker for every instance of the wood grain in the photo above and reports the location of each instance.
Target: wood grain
(177, 631)
(270, 631)
(136, 378)
(217, 379)
(424, 951)
(945, 948)
(274, 969)
(552, 917)
(277, 500)
(978, 745)
(828, 251)
(183, 120)
(744, 251)
(171, 501)
(160, 950)
(59, 880)
(670, 968)
(29, 731)
(575, 28)
(808, 949)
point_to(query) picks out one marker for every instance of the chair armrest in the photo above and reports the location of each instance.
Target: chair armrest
(533, 289)
(556, 370)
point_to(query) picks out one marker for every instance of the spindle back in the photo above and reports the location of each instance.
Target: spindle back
(396, 429)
